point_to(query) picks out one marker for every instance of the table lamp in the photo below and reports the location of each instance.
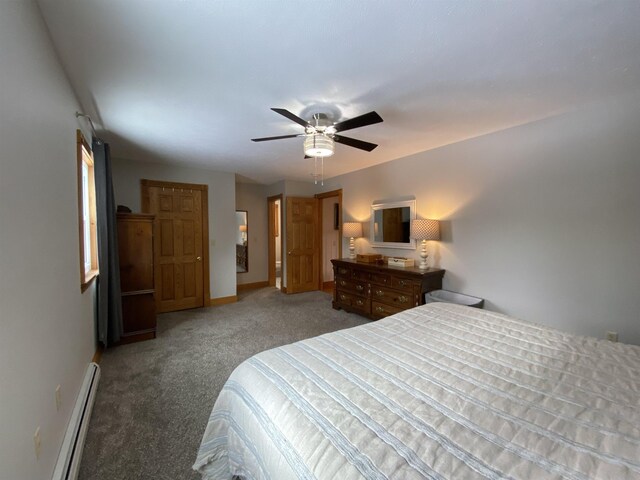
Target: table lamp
(352, 230)
(425, 229)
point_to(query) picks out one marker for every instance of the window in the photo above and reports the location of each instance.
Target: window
(87, 214)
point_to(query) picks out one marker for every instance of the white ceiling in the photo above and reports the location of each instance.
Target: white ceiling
(190, 82)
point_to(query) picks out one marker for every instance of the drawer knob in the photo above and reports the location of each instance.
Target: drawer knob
(359, 302)
(380, 293)
(359, 288)
(343, 271)
(380, 309)
(343, 283)
(403, 299)
(343, 297)
(401, 283)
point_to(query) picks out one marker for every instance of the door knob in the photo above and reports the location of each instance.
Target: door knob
(198, 258)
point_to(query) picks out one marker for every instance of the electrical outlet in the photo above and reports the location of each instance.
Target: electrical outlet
(58, 398)
(612, 336)
(37, 442)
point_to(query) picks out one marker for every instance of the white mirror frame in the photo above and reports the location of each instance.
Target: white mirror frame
(381, 206)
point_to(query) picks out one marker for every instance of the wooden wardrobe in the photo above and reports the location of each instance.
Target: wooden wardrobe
(135, 248)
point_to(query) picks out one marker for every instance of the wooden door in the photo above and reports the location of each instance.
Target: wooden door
(179, 249)
(303, 252)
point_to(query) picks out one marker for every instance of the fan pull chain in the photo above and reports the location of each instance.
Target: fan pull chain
(315, 173)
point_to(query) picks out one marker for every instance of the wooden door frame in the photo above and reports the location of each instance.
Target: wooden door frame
(321, 197)
(271, 201)
(144, 203)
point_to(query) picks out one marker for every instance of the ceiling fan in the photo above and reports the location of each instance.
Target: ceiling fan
(320, 133)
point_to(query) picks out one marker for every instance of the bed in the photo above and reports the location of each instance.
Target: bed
(440, 391)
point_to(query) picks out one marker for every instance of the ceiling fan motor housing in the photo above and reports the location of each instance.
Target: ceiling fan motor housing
(320, 123)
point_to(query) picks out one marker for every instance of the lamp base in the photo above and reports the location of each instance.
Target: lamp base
(423, 255)
(352, 248)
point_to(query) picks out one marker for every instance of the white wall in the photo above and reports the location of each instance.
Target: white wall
(46, 324)
(222, 210)
(541, 220)
(251, 197)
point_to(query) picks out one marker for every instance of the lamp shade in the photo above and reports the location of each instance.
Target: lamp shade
(352, 229)
(425, 229)
(243, 228)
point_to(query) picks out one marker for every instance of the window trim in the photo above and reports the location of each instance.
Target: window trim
(85, 157)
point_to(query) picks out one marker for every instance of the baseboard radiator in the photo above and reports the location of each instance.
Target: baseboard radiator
(68, 463)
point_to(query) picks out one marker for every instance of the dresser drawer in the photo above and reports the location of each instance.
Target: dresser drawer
(343, 272)
(379, 278)
(348, 298)
(383, 310)
(403, 284)
(353, 285)
(360, 275)
(397, 298)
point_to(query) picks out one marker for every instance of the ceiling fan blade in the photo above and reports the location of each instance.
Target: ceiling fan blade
(291, 116)
(357, 122)
(264, 139)
(352, 142)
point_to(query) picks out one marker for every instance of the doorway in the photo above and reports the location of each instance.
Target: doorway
(330, 213)
(274, 205)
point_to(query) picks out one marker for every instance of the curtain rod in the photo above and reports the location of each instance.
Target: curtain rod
(93, 129)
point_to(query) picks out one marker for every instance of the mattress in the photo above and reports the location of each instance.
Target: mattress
(440, 391)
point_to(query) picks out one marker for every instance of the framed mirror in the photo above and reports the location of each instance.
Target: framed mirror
(242, 247)
(391, 224)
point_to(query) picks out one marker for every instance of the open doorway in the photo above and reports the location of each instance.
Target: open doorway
(274, 205)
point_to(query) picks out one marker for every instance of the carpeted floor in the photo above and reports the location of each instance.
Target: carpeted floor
(154, 397)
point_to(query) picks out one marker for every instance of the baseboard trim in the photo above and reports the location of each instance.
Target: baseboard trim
(223, 300)
(243, 287)
(98, 355)
(328, 285)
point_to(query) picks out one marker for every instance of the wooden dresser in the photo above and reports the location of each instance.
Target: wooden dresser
(135, 249)
(376, 291)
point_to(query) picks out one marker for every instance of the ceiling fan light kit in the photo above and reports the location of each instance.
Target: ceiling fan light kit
(318, 145)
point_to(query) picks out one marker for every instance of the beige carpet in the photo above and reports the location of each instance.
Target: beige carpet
(154, 397)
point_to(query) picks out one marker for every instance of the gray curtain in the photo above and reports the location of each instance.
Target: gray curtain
(109, 302)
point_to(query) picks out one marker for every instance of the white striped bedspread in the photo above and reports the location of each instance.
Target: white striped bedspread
(440, 392)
